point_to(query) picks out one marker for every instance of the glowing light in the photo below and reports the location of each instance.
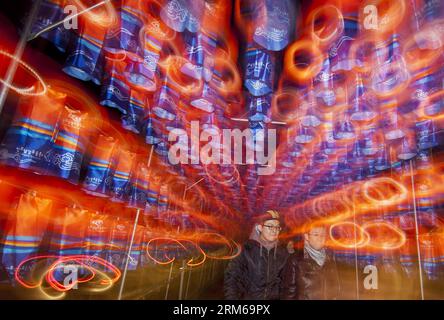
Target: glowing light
(303, 71)
(379, 240)
(186, 85)
(29, 90)
(362, 236)
(395, 198)
(332, 26)
(84, 261)
(233, 247)
(104, 19)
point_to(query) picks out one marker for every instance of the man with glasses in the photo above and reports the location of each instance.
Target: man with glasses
(257, 272)
(311, 274)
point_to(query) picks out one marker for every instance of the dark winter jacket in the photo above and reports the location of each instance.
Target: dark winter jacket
(304, 279)
(256, 273)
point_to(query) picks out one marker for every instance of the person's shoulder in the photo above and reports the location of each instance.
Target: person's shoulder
(282, 250)
(296, 256)
(250, 244)
(331, 256)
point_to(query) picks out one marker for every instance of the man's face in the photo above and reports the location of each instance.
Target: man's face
(316, 238)
(270, 230)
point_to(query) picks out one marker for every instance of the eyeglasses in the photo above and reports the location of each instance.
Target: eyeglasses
(273, 228)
